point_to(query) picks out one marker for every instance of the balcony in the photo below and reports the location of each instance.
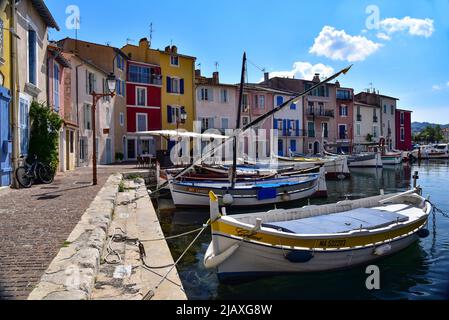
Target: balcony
(291, 133)
(359, 117)
(321, 113)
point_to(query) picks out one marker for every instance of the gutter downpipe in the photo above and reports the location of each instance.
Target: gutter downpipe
(77, 110)
(15, 97)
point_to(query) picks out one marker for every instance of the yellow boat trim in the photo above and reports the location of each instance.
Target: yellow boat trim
(323, 243)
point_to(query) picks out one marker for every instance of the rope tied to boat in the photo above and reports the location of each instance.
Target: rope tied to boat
(436, 209)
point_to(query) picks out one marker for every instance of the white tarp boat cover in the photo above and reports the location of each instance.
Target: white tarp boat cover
(340, 222)
(180, 133)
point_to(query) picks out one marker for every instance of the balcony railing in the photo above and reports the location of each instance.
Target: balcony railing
(291, 133)
(327, 113)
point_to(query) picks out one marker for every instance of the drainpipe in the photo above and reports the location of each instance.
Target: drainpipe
(77, 111)
(15, 97)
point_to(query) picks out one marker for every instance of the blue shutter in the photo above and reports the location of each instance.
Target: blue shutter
(279, 100)
(275, 123)
(284, 127)
(293, 106)
(168, 84)
(293, 145)
(181, 85)
(169, 115)
(297, 128)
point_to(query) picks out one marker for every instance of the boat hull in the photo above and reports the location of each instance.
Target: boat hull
(392, 160)
(376, 162)
(258, 260)
(185, 195)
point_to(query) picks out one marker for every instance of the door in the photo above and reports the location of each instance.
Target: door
(108, 151)
(131, 149)
(316, 147)
(280, 148)
(342, 132)
(5, 143)
(293, 146)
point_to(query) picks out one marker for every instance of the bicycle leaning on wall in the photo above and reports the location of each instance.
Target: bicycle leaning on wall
(27, 174)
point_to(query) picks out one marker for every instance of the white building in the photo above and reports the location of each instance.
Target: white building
(366, 123)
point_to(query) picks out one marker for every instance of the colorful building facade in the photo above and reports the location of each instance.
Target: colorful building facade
(5, 95)
(344, 117)
(403, 130)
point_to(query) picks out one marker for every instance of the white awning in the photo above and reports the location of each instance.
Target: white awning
(182, 134)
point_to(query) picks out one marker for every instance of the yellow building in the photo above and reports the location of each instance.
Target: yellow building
(5, 45)
(178, 78)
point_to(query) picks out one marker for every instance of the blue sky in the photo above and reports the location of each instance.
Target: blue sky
(403, 50)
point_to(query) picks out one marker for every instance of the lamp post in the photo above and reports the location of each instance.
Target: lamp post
(111, 82)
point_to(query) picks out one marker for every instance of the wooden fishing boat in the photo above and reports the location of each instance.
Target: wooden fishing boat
(245, 193)
(314, 238)
(365, 160)
(336, 166)
(391, 158)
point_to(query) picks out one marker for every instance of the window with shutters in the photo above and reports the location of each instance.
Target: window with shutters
(343, 110)
(224, 96)
(56, 77)
(87, 116)
(32, 56)
(139, 74)
(358, 130)
(279, 100)
(141, 96)
(245, 103)
(224, 123)
(141, 122)
(262, 102)
(207, 123)
(83, 148)
(90, 82)
(174, 114)
(206, 94)
(174, 60)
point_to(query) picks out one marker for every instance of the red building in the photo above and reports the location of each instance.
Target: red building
(403, 130)
(143, 107)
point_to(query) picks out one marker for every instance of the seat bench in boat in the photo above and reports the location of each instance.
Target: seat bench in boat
(341, 222)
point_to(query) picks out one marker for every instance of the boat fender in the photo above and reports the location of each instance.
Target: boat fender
(299, 256)
(382, 250)
(423, 233)
(228, 199)
(285, 197)
(212, 261)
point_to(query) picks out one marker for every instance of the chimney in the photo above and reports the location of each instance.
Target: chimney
(316, 78)
(167, 49)
(266, 76)
(337, 84)
(174, 49)
(144, 43)
(215, 77)
(197, 73)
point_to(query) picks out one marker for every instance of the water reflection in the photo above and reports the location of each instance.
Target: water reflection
(418, 272)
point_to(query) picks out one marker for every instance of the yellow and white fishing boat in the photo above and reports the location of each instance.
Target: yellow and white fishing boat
(314, 238)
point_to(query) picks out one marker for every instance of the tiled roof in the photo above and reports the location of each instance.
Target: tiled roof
(46, 15)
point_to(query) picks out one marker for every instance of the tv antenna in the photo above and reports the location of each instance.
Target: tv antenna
(129, 40)
(216, 66)
(151, 31)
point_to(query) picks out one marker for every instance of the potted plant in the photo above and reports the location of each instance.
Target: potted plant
(119, 157)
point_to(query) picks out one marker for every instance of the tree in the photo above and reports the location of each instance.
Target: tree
(44, 137)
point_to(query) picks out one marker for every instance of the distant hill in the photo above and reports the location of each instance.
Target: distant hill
(420, 126)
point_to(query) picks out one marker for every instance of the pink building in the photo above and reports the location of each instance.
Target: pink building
(344, 118)
(59, 99)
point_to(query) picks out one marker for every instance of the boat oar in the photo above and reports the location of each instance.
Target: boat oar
(253, 123)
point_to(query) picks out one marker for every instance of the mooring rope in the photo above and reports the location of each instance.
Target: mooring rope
(438, 210)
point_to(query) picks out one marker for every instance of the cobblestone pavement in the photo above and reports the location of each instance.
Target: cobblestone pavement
(34, 223)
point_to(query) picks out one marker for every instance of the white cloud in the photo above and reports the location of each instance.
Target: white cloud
(304, 70)
(415, 27)
(338, 45)
(436, 87)
(383, 36)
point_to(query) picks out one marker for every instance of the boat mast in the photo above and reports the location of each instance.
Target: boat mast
(239, 112)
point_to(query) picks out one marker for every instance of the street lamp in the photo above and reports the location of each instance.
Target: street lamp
(111, 82)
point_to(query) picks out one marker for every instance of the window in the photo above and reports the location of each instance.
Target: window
(256, 101)
(119, 88)
(139, 74)
(375, 131)
(224, 96)
(71, 141)
(293, 106)
(206, 94)
(207, 123)
(87, 116)
(262, 102)
(324, 130)
(322, 91)
(174, 60)
(120, 62)
(141, 96)
(24, 121)
(83, 148)
(311, 129)
(175, 85)
(122, 119)
(245, 121)
(56, 77)
(1, 39)
(392, 109)
(402, 119)
(402, 134)
(385, 108)
(91, 82)
(108, 117)
(344, 95)
(141, 122)
(358, 130)
(32, 57)
(343, 110)
(174, 113)
(293, 145)
(342, 131)
(279, 101)
(245, 103)
(224, 123)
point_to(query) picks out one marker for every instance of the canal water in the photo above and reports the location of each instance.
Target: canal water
(419, 272)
